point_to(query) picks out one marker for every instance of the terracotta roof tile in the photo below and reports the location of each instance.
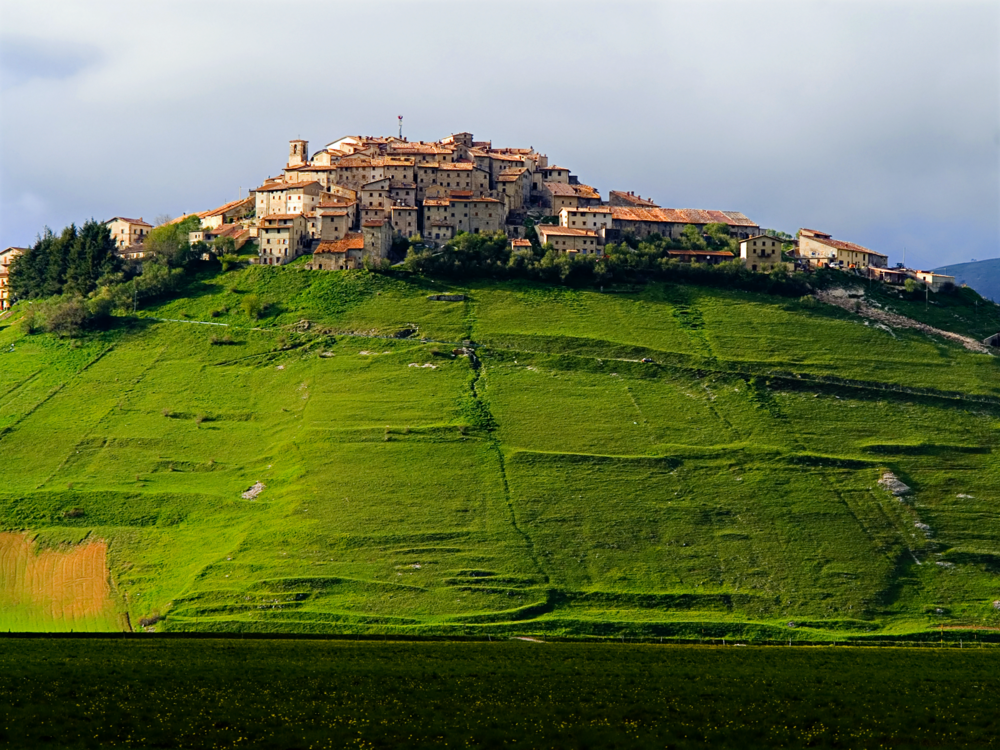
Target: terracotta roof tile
(351, 241)
(567, 190)
(137, 222)
(679, 216)
(279, 186)
(547, 229)
(849, 246)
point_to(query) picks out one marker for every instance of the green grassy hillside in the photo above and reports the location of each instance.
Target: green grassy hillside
(556, 484)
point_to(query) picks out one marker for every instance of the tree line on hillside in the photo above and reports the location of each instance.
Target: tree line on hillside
(630, 261)
(75, 279)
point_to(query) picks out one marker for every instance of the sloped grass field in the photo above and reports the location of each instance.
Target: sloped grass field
(299, 694)
(555, 484)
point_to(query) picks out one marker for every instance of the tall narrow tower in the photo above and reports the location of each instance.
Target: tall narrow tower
(298, 153)
(400, 127)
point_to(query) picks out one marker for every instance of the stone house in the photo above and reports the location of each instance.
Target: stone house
(397, 168)
(354, 172)
(621, 198)
(333, 222)
(761, 253)
(376, 195)
(936, 281)
(477, 215)
(7, 256)
(514, 185)
(549, 174)
(403, 193)
(282, 238)
(423, 153)
(569, 240)
(239, 233)
(559, 195)
(378, 236)
(226, 214)
(459, 176)
(126, 232)
(597, 218)
(405, 220)
(820, 249)
(287, 198)
(338, 255)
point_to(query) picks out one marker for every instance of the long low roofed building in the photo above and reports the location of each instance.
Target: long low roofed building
(820, 249)
(670, 222)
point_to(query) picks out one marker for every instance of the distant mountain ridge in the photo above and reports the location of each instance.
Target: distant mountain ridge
(981, 275)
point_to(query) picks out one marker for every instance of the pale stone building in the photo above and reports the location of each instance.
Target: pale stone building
(820, 249)
(376, 195)
(378, 236)
(339, 255)
(568, 240)
(405, 220)
(514, 185)
(761, 253)
(127, 232)
(226, 214)
(458, 176)
(333, 221)
(403, 193)
(596, 218)
(559, 195)
(936, 281)
(282, 238)
(7, 256)
(287, 198)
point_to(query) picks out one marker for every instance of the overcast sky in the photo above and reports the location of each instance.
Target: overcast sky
(876, 122)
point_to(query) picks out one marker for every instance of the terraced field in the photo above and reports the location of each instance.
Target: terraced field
(553, 483)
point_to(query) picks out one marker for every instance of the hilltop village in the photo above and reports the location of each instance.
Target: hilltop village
(352, 201)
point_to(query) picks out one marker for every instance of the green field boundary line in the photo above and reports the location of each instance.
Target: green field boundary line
(929, 639)
(23, 383)
(797, 380)
(11, 427)
(124, 395)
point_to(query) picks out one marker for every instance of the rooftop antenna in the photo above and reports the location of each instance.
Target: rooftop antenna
(400, 127)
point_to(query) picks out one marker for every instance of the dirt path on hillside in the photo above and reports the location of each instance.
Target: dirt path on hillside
(840, 298)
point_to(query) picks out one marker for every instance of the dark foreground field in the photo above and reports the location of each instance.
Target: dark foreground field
(318, 694)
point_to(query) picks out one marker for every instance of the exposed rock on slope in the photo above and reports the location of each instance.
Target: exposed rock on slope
(841, 298)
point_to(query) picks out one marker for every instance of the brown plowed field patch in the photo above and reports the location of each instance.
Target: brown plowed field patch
(55, 589)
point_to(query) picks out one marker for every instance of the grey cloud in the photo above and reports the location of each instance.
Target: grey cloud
(876, 121)
(25, 58)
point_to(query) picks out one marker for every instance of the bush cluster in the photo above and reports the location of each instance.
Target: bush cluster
(75, 280)
(631, 261)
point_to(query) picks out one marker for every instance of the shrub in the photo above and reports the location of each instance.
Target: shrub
(252, 306)
(807, 300)
(67, 317)
(74, 513)
(229, 260)
(912, 286)
(30, 323)
(150, 619)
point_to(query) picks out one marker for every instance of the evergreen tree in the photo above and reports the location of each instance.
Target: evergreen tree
(71, 262)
